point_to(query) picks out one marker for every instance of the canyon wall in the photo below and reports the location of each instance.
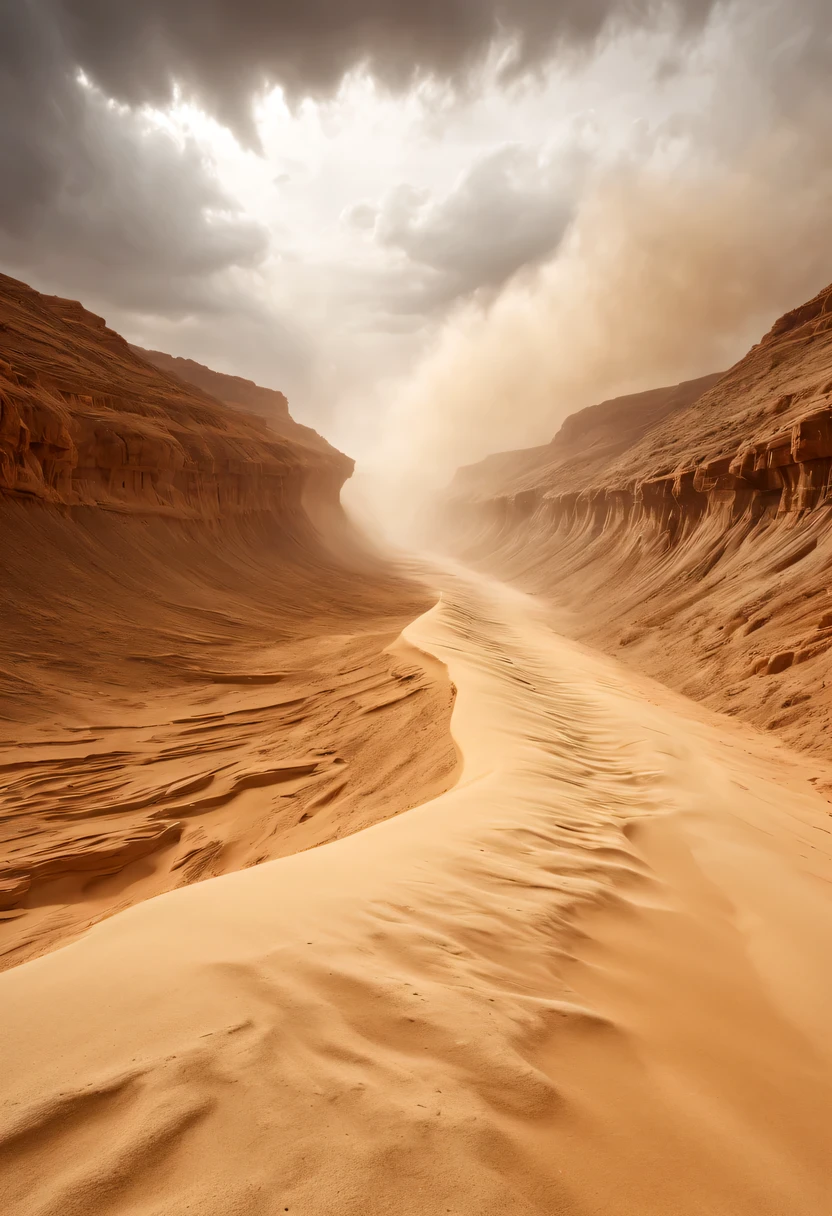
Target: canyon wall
(698, 549)
(239, 394)
(192, 639)
(84, 420)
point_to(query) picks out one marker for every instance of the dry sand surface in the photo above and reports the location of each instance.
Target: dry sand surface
(687, 529)
(178, 701)
(592, 977)
(199, 659)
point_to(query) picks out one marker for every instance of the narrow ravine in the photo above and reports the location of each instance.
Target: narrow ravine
(588, 979)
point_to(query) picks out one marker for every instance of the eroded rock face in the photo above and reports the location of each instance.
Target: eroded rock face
(85, 421)
(238, 393)
(192, 635)
(235, 391)
(701, 546)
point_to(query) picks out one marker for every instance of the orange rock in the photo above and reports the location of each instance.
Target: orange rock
(687, 509)
(85, 420)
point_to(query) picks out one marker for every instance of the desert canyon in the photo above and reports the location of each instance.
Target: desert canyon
(482, 868)
(323, 894)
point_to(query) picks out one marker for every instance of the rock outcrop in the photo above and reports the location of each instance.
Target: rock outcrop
(700, 546)
(238, 393)
(85, 421)
(586, 443)
(191, 637)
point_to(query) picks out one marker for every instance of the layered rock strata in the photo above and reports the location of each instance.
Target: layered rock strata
(702, 547)
(85, 421)
(193, 642)
(240, 394)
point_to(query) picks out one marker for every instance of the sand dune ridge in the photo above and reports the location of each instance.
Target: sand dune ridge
(387, 1022)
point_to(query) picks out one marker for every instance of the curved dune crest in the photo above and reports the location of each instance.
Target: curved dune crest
(195, 642)
(179, 702)
(462, 1009)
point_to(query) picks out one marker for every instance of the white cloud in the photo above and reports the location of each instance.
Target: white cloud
(336, 259)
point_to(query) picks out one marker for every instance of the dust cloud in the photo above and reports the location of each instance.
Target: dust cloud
(669, 271)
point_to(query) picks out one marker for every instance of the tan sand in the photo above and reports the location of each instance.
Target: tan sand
(687, 530)
(182, 701)
(199, 666)
(590, 978)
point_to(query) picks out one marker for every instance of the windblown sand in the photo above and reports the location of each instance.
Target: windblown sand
(686, 530)
(592, 977)
(180, 700)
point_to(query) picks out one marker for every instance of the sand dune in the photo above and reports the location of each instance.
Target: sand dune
(589, 978)
(178, 703)
(199, 667)
(328, 897)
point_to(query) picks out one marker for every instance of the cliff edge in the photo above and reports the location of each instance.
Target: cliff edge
(696, 546)
(238, 394)
(84, 420)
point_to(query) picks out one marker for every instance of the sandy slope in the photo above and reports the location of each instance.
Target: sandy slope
(178, 701)
(196, 672)
(688, 534)
(591, 978)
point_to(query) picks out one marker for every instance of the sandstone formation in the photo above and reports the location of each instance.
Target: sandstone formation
(590, 976)
(193, 643)
(238, 393)
(698, 548)
(585, 444)
(85, 420)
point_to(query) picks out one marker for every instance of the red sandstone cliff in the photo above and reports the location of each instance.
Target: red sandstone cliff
(586, 443)
(699, 548)
(84, 420)
(239, 394)
(190, 636)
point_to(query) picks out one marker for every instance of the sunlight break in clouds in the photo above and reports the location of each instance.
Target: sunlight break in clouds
(679, 255)
(433, 256)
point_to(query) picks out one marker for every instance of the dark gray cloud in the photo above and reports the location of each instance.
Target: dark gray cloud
(510, 209)
(98, 203)
(93, 194)
(93, 197)
(95, 202)
(221, 51)
(59, 150)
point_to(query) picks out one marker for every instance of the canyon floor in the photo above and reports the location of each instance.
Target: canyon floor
(589, 977)
(344, 883)
(178, 703)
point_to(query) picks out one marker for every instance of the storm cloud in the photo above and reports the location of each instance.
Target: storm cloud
(96, 198)
(509, 209)
(222, 51)
(85, 182)
(94, 193)
(103, 198)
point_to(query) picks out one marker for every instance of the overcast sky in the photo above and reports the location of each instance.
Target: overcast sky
(440, 226)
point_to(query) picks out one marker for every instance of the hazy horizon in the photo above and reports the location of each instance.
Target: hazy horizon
(438, 233)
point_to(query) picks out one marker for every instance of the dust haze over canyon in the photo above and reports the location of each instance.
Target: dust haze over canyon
(415, 620)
